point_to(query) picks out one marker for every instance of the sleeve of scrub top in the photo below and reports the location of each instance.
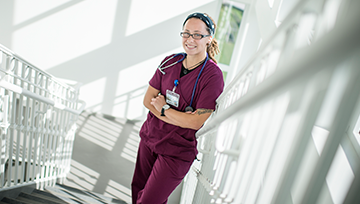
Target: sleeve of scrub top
(211, 91)
(155, 81)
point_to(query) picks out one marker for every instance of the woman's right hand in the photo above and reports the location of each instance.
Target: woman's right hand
(158, 102)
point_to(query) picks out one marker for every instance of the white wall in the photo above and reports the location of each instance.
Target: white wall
(112, 47)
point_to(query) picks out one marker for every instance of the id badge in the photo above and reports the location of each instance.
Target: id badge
(172, 98)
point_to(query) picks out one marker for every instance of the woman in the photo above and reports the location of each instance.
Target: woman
(180, 99)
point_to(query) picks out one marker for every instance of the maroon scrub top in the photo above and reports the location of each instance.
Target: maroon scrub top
(167, 139)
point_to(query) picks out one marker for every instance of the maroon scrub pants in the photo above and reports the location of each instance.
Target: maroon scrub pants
(156, 176)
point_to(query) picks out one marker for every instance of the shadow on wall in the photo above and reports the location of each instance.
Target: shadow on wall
(111, 47)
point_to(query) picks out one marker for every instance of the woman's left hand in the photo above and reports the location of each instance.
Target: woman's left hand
(158, 102)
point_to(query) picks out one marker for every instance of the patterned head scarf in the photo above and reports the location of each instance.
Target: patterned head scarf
(205, 19)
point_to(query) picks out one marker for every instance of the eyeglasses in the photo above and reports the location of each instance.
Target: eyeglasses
(196, 36)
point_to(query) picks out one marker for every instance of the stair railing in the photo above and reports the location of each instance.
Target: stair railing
(255, 148)
(38, 115)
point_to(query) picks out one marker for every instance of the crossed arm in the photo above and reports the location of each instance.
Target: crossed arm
(193, 120)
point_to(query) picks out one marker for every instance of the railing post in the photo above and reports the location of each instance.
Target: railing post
(41, 112)
(3, 143)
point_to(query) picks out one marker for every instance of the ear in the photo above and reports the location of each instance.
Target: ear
(210, 39)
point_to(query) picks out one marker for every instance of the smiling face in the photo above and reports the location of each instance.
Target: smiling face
(193, 47)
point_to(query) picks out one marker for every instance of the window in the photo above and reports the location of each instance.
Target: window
(228, 27)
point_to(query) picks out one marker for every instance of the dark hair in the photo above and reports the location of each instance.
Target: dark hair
(213, 47)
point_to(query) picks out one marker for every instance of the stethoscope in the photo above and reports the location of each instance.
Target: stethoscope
(170, 58)
(188, 108)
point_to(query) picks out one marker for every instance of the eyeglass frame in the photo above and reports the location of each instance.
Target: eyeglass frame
(192, 35)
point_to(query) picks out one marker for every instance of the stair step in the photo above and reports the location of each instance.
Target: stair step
(80, 193)
(60, 194)
(41, 198)
(76, 197)
(64, 197)
(108, 199)
(48, 196)
(12, 201)
(28, 200)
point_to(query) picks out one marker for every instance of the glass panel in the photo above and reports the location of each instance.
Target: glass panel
(228, 27)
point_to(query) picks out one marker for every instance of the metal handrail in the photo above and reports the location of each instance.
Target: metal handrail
(21, 59)
(306, 61)
(252, 147)
(19, 90)
(38, 124)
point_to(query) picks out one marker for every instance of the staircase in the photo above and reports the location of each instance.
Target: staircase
(59, 194)
(38, 115)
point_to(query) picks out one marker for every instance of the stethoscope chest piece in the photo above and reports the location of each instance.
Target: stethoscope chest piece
(189, 108)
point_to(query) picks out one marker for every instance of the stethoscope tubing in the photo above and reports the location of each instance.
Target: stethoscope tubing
(170, 58)
(197, 79)
(183, 54)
